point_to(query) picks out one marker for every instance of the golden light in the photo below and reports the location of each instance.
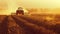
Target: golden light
(9, 6)
(13, 6)
(48, 18)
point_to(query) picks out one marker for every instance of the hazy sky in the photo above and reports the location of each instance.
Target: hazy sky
(40, 3)
(12, 5)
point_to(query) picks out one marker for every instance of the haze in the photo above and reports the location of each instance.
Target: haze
(9, 6)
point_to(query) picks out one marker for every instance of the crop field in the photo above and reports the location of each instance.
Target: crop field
(31, 24)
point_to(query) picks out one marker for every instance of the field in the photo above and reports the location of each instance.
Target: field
(31, 24)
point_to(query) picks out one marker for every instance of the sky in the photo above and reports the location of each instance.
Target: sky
(8, 6)
(40, 3)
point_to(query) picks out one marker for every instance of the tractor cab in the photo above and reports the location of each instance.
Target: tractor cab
(20, 11)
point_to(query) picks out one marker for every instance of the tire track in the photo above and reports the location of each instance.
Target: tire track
(39, 23)
(44, 24)
(33, 21)
(31, 28)
(13, 27)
